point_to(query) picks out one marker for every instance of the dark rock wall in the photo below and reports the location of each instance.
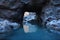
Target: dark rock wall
(51, 11)
(11, 9)
(14, 9)
(51, 16)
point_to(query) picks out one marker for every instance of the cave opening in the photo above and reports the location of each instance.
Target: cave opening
(32, 17)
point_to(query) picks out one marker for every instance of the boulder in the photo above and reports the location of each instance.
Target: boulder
(54, 26)
(50, 13)
(51, 18)
(7, 26)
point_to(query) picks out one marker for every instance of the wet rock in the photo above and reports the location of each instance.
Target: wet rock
(54, 26)
(57, 10)
(7, 26)
(14, 25)
(14, 9)
(55, 2)
(33, 2)
(11, 9)
(50, 13)
(7, 13)
(11, 4)
(51, 18)
(11, 15)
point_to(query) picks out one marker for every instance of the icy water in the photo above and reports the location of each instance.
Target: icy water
(33, 32)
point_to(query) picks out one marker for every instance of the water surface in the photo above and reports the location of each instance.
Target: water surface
(34, 32)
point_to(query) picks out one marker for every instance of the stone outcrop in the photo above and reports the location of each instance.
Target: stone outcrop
(14, 9)
(51, 16)
(7, 26)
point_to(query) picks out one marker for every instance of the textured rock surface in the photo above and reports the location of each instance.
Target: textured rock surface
(55, 2)
(54, 26)
(12, 4)
(7, 13)
(51, 16)
(7, 26)
(14, 9)
(33, 2)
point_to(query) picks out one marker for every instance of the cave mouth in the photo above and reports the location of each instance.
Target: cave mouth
(32, 18)
(29, 16)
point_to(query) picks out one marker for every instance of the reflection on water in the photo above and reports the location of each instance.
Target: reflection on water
(28, 28)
